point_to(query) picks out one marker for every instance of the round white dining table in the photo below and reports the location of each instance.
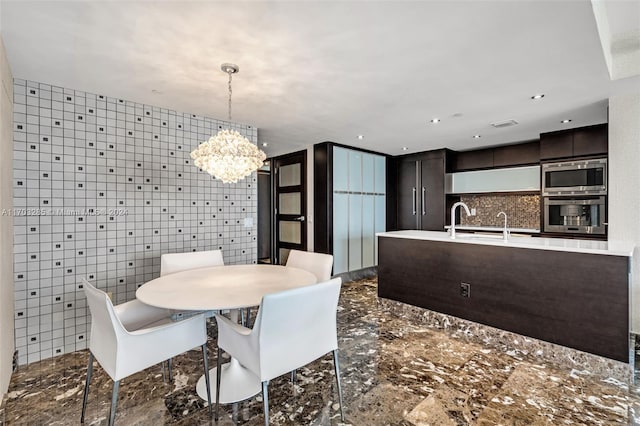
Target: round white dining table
(220, 288)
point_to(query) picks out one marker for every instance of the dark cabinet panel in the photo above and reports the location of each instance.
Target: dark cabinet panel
(591, 140)
(502, 156)
(556, 145)
(510, 290)
(431, 196)
(420, 191)
(579, 142)
(517, 155)
(474, 160)
(407, 215)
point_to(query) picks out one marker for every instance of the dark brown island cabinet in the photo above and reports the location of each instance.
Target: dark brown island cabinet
(575, 299)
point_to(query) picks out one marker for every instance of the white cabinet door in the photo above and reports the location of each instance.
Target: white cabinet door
(340, 233)
(368, 231)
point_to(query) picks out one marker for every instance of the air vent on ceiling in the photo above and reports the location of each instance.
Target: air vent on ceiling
(506, 123)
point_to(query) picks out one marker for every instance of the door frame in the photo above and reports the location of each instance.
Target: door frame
(276, 163)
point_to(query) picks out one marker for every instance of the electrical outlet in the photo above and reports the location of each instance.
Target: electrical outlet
(465, 289)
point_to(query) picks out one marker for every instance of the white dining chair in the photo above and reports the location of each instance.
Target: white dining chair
(292, 329)
(319, 264)
(171, 263)
(132, 336)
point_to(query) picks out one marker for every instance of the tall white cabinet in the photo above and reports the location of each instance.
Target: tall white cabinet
(358, 194)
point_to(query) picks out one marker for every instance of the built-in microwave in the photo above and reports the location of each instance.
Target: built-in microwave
(584, 177)
(584, 215)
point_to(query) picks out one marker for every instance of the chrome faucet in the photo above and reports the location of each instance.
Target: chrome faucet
(505, 231)
(453, 216)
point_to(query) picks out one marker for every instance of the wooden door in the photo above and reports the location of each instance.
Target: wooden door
(290, 173)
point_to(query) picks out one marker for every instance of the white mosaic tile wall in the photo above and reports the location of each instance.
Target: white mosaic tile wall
(102, 188)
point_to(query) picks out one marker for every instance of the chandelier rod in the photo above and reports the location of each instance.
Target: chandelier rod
(230, 72)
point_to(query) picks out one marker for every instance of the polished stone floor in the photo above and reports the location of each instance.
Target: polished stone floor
(394, 372)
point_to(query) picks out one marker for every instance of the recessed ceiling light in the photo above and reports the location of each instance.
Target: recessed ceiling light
(404, 148)
(361, 137)
(265, 144)
(435, 120)
(566, 120)
(538, 96)
(477, 136)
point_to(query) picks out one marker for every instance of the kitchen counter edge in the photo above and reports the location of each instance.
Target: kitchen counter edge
(611, 248)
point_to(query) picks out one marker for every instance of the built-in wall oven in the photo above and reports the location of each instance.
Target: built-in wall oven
(580, 177)
(584, 215)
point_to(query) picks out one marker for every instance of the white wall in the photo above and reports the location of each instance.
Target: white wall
(101, 193)
(624, 184)
(6, 222)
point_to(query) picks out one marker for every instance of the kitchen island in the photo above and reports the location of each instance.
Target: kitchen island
(574, 293)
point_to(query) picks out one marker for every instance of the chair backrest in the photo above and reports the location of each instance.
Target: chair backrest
(106, 328)
(319, 264)
(296, 327)
(176, 262)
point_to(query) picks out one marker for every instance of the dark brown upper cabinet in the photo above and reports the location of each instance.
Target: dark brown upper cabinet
(522, 154)
(503, 156)
(474, 160)
(591, 140)
(580, 142)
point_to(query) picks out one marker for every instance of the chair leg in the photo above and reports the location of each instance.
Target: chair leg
(114, 402)
(170, 364)
(86, 386)
(265, 401)
(248, 316)
(337, 367)
(206, 377)
(218, 367)
(293, 376)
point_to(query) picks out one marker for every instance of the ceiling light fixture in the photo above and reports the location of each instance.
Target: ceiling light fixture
(265, 144)
(360, 137)
(566, 120)
(404, 148)
(228, 156)
(477, 136)
(435, 120)
(538, 96)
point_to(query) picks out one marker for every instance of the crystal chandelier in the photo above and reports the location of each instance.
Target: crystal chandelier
(228, 156)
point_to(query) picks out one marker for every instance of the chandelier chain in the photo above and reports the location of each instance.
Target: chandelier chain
(230, 91)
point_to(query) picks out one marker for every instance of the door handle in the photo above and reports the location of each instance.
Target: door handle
(299, 219)
(414, 201)
(424, 203)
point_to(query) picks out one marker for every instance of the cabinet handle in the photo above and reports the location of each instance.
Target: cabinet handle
(424, 201)
(414, 201)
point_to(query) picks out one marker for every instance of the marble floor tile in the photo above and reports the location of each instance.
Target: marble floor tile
(395, 371)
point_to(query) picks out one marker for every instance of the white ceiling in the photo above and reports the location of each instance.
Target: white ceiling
(319, 71)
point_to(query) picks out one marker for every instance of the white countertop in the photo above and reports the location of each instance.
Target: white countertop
(612, 248)
(494, 229)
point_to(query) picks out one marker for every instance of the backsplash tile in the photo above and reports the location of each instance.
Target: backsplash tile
(102, 187)
(523, 210)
